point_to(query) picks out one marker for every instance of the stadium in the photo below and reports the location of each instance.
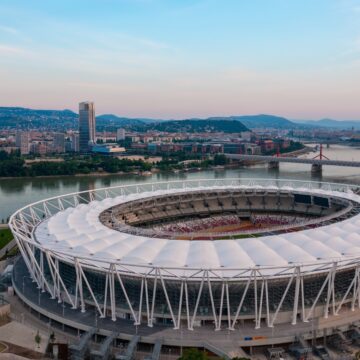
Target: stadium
(223, 255)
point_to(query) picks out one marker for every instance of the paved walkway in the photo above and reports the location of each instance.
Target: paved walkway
(23, 335)
(21, 315)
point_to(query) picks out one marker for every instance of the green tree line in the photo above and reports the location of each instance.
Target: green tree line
(13, 165)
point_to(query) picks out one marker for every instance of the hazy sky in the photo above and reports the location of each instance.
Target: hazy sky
(182, 58)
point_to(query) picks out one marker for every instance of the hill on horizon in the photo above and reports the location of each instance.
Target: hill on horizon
(196, 125)
(261, 120)
(331, 123)
(59, 120)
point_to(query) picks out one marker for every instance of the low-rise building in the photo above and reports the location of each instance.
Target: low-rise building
(108, 149)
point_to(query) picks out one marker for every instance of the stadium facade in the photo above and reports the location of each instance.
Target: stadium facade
(217, 254)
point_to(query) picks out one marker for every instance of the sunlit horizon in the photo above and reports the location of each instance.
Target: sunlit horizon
(184, 58)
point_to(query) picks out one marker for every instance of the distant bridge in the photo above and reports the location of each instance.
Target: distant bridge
(279, 159)
(316, 162)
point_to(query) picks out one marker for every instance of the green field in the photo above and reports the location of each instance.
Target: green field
(5, 237)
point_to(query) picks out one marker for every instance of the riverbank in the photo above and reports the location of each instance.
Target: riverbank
(305, 150)
(92, 174)
(154, 170)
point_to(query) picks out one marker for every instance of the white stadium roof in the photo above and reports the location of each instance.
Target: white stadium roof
(79, 232)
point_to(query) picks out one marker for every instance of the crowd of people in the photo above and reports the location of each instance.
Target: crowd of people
(268, 220)
(197, 225)
(228, 223)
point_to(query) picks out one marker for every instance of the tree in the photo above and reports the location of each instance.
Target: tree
(52, 337)
(193, 354)
(219, 159)
(38, 339)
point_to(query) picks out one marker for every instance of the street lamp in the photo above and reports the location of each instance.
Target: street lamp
(96, 318)
(23, 282)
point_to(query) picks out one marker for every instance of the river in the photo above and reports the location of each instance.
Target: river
(15, 193)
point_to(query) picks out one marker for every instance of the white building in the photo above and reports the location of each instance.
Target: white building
(22, 142)
(108, 149)
(120, 134)
(74, 138)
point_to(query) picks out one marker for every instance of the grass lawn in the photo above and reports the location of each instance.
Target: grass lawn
(5, 237)
(2, 347)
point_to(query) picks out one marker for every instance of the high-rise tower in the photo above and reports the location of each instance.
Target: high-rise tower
(86, 125)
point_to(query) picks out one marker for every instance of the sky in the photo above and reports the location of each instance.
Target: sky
(183, 58)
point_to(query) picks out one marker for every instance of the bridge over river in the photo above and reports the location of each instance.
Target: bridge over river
(316, 163)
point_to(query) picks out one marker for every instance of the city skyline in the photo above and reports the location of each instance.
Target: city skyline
(180, 59)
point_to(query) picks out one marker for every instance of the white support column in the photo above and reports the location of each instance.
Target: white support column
(355, 290)
(42, 271)
(30, 251)
(79, 285)
(228, 305)
(267, 303)
(106, 293)
(76, 201)
(180, 305)
(25, 257)
(76, 302)
(112, 293)
(303, 317)
(46, 210)
(30, 256)
(218, 327)
(258, 320)
(197, 301)
(53, 275)
(167, 299)
(82, 273)
(317, 297)
(330, 289)
(296, 296)
(353, 300)
(60, 280)
(153, 299)
(126, 296)
(187, 307)
(138, 321)
(40, 278)
(358, 289)
(212, 301)
(34, 216)
(282, 300)
(147, 302)
(61, 206)
(255, 298)
(241, 302)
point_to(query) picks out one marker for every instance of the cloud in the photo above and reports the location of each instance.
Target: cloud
(8, 30)
(10, 50)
